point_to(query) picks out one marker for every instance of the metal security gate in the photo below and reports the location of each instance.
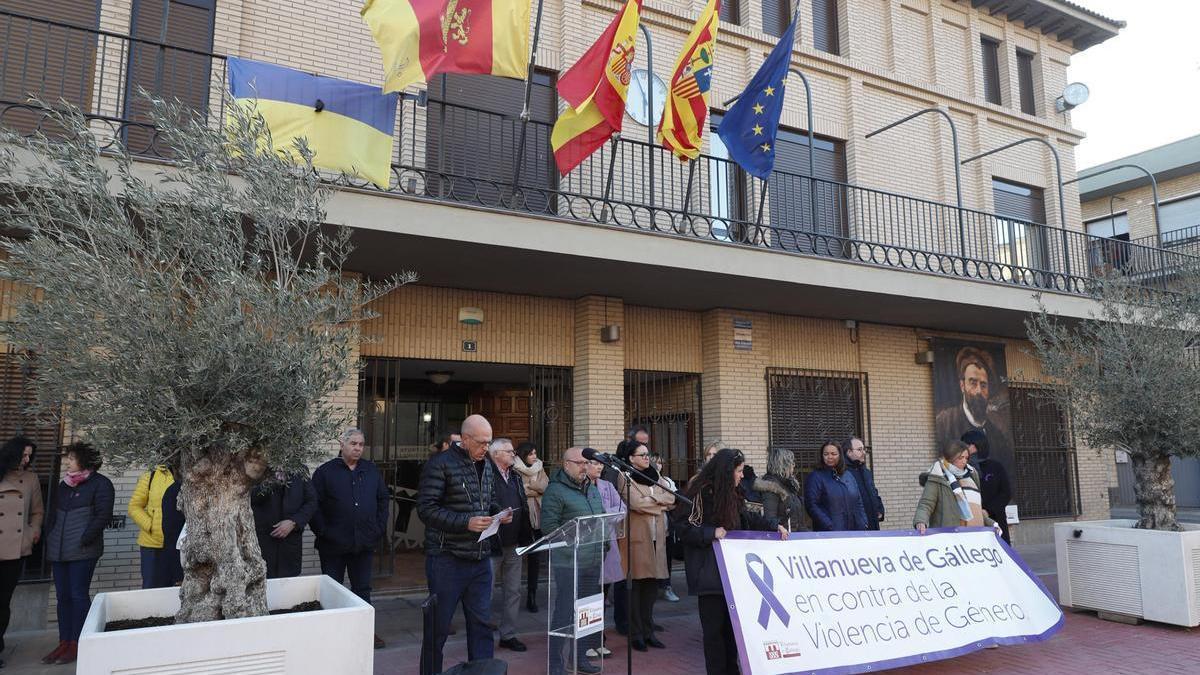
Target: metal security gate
(1046, 474)
(668, 405)
(807, 408)
(551, 411)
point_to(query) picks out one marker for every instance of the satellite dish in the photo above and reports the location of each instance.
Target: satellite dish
(635, 100)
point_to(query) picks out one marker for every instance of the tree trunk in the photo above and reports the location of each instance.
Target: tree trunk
(224, 576)
(1155, 491)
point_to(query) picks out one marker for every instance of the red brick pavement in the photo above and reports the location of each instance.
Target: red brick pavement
(1085, 645)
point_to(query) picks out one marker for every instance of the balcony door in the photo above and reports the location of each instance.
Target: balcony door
(173, 62)
(1020, 228)
(49, 61)
(473, 132)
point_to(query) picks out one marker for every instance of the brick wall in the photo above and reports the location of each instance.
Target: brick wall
(1139, 203)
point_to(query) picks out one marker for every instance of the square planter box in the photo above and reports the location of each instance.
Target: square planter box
(337, 639)
(1112, 567)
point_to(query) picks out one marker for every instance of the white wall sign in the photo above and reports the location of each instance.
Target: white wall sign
(851, 601)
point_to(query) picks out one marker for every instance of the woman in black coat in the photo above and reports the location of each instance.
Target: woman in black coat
(995, 490)
(74, 536)
(782, 496)
(856, 465)
(718, 506)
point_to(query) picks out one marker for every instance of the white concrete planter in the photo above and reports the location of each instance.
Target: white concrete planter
(1112, 567)
(337, 639)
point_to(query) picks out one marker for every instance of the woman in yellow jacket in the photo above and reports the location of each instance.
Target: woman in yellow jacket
(160, 559)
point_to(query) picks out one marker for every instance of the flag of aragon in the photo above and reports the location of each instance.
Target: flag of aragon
(682, 127)
(348, 125)
(594, 89)
(422, 38)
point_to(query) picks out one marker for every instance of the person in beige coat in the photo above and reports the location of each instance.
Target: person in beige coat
(20, 519)
(644, 551)
(533, 475)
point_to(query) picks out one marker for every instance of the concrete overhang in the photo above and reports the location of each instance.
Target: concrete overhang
(460, 247)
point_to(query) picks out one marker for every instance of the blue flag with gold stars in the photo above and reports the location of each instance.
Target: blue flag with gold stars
(748, 129)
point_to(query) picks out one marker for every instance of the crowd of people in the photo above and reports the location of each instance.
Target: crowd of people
(345, 502)
(471, 480)
(475, 478)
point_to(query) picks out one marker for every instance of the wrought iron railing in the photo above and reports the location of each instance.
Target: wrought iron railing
(1184, 240)
(465, 154)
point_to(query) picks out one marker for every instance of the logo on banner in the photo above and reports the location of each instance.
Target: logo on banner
(766, 587)
(775, 651)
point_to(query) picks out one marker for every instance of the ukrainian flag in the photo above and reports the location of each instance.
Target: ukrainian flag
(348, 125)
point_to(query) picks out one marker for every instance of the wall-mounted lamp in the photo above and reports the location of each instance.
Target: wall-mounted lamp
(1074, 95)
(471, 316)
(438, 377)
(427, 417)
(924, 358)
(610, 333)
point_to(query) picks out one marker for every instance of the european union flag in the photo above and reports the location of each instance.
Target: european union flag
(749, 127)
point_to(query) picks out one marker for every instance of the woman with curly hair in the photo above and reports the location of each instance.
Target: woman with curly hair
(75, 541)
(717, 507)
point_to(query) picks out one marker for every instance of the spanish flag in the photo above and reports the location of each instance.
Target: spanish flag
(682, 127)
(594, 89)
(348, 125)
(421, 38)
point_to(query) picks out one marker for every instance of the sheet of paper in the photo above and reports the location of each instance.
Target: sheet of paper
(495, 526)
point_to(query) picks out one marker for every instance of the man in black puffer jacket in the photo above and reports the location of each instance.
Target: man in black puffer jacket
(456, 499)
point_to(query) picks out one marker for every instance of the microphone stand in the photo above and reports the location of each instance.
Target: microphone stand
(626, 468)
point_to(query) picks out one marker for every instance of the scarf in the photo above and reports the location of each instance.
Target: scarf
(965, 488)
(651, 472)
(529, 471)
(74, 478)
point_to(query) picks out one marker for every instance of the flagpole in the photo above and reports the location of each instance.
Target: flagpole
(612, 162)
(687, 197)
(649, 109)
(537, 33)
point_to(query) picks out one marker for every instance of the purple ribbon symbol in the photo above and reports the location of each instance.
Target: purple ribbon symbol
(766, 587)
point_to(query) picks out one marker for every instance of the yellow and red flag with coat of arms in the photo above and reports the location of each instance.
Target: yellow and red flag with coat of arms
(682, 127)
(594, 89)
(421, 38)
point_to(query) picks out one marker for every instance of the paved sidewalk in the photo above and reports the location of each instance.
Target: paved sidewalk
(1086, 645)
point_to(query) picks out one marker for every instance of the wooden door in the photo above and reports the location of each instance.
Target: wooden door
(507, 410)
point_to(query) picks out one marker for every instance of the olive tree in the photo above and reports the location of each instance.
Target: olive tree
(1132, 379)
(194, 312)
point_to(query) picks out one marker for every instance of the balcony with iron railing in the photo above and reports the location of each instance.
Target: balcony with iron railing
(463, 155)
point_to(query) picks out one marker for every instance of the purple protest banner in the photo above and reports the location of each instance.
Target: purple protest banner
(852, 602)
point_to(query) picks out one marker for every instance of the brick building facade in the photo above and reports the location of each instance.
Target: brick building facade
(719, 315)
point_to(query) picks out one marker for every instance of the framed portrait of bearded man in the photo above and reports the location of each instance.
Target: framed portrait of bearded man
(970, 391)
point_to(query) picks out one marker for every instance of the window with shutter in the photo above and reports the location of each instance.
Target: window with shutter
(991, 69)
(795, 200)
(730, 12)
(825, 26)
(49, 61)
(1046, 474)
(16, 395)
(1025, 80)
(170, 68)
(775, 16)
(1020, 232)
(806, 408)
(473, 129)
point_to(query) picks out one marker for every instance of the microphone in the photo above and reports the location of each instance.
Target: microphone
(590, 453)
